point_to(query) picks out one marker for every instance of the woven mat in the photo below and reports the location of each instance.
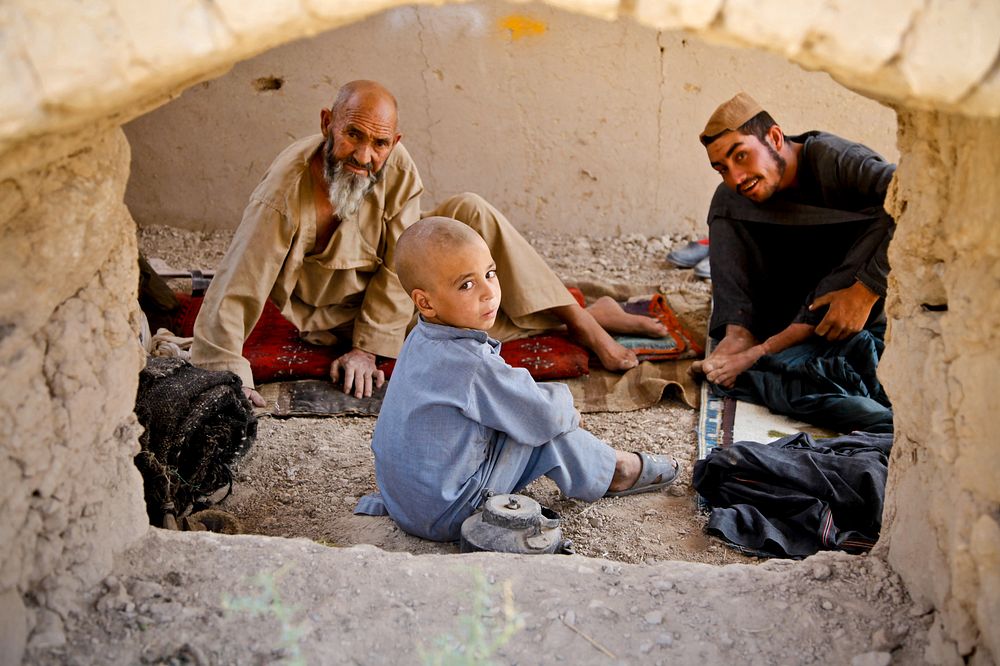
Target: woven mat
(640, 387)
(724, 420)
(316, 397)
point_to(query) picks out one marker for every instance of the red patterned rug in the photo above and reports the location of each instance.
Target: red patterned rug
(277, 353)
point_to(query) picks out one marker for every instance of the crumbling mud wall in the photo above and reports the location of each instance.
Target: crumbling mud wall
(941, 368)
(69, 357)
(75, 72)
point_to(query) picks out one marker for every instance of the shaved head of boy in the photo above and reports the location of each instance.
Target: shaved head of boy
(448, 271)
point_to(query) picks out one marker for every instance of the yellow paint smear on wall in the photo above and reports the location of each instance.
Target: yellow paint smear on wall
(522, 26)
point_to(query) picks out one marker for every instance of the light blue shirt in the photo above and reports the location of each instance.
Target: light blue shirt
(452, 405)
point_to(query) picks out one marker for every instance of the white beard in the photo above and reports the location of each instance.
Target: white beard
(347, 191)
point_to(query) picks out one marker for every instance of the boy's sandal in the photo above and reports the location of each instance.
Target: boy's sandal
(658, 471)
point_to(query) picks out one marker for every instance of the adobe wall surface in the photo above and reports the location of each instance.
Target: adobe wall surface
(70, 359)
(71, 497)
(941, 368)
(562, 121)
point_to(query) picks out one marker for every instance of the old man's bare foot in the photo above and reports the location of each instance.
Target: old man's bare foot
(612, 318)
(583, 327)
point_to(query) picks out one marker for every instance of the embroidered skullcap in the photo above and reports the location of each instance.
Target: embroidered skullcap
(731, 115)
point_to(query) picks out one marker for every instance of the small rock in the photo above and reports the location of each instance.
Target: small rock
(665, 640)
(48, 631)
(653, 617)
(663, 585)
(646, 648)
(594, 521)
(164, 611)
(726, 641)
(821, 571)
(884, 640)
(921, 607)
(827, 604)
(115, 599)
(570, 618)
(872, 659)
(145, 589)
(887, 639)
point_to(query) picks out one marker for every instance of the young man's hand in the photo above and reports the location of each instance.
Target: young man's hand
(360, 373)
(847, 312)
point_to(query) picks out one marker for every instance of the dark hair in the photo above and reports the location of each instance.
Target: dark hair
(757, 126)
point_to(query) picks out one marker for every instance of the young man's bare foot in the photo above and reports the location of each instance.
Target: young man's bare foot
(583, 327)
(612, 318)
(737, 341)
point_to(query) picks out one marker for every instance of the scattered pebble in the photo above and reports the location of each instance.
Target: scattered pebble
(821, 571)
(872, 659)
(653, 617)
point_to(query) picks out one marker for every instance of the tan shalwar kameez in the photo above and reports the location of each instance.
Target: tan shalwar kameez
(349, 288)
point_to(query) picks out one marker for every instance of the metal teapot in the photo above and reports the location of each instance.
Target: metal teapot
(514, 524)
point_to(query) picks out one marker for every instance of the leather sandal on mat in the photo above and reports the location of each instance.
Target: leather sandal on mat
(658, 471)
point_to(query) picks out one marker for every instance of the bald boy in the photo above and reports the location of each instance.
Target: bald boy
(458, 422)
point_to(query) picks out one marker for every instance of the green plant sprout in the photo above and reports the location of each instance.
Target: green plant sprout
(481, 634)
(268, 602)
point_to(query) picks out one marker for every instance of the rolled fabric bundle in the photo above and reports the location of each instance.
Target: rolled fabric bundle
(198, 424)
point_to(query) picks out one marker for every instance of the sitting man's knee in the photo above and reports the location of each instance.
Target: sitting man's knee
(468, 208)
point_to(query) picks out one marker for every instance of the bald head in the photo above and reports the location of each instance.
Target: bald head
(368, 96)
(419, 248)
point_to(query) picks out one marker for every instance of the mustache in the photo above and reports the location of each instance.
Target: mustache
(333, 166)
(369, 168)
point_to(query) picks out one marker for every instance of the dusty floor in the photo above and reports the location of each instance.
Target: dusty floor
(303, 476)
(201, 598)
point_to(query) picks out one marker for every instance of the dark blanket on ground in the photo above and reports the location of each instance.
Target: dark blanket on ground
(197, 425)
(796, 496)
(832, 385)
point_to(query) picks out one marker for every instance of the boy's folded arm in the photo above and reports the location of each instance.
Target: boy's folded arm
(511, 401)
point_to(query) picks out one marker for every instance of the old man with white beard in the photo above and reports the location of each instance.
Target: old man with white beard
(318, 237)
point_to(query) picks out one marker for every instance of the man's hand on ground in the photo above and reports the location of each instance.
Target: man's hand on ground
(847, 312)
(255, 398)
(360, 373)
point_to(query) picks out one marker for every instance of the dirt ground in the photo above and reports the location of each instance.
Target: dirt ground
(303, 476)
(343, 593)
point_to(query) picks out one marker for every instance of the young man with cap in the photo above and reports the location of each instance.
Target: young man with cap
(798, 239)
